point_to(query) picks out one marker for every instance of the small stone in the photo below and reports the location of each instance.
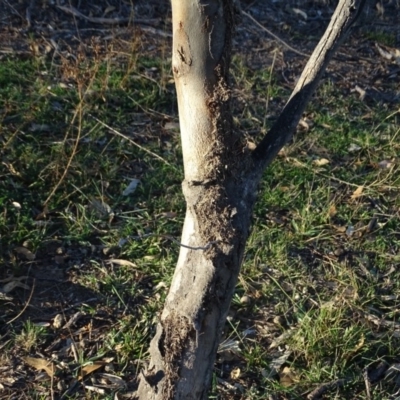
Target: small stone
(59, 250)
(61, 385)
(109, 368)
(58, 321)
(338, 252)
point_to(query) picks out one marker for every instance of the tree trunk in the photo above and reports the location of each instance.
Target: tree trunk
(221, 178)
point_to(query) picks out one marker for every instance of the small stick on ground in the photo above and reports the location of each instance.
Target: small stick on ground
(367, 384)
(300, 53)
(321, 390)
(25, 306)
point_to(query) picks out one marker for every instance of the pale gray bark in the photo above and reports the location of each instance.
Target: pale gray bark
(221, 178)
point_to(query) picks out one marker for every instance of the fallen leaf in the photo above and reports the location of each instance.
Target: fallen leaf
(41, 364)
(250, 145)
(282, 152)
(44, 324)
(353, 147)
(122, 262)
(11, 169)
(393, 372)
(320, 162)
(235, 373)
(332, 210)
(23, 251)
(229, 345)
(102, 208)
(373, 224)
(114, 380)
(340, 228)
(357, 193)
(350, 230)
(172, 126)
(160, 285)
(383, 52)
(8, 287)
(133, 184)
(277, 363)
(379, 8)
(108, 10)
(122, 242)
(385, 164)
(89, 368)
(304, 124)
(58, 321)
(249, 332)
(360, 91)
(39, 128)
(42, 214)
(288, 377)
(118, 347)
(4, 297)
(282, 338)
(75, 317)
(300, 12)
(295, 161)
(95, 389)
(169, 214)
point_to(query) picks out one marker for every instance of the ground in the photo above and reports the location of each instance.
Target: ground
(91, 204)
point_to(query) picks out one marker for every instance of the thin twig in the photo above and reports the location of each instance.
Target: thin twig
(320, 390)
(74, 149)
(101, 20)
(121, 135)
(300, 53)
(76, 13)
(28, 16)
(26, 305)
(129, 139)
(367, 384)
(144, 109)
(269, 88)
(13, 9)
(331, 177)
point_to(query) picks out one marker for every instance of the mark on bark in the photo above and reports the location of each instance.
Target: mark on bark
(182, 59)
(177, 331)
(181, 52)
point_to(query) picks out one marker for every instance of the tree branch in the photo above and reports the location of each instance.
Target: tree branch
(282, 131)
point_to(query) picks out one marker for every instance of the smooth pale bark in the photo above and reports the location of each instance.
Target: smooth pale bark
(221, 179)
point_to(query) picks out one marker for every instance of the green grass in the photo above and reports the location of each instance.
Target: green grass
(31, 336)
(321, 261)
(381, 37)
(323, 281)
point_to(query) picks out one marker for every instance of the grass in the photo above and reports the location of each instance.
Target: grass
(317, 300)
(30, 337)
